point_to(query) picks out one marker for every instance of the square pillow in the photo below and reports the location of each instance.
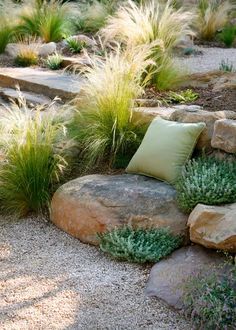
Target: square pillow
(165, 148)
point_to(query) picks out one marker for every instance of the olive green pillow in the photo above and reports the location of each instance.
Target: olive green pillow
(165, 148)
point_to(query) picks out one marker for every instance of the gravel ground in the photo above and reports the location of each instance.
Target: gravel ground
(49, 280)
(209, 60)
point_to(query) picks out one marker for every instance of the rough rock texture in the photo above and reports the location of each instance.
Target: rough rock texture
(168, 276)
(149, 112)
(96, 203)
(186, 116)
(47, 49)
(214, 226)
(224, 135)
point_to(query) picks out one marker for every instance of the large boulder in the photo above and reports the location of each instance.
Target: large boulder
(168, 276)
(224, 135)
(214, 226)
(209, 118)
(96, 203)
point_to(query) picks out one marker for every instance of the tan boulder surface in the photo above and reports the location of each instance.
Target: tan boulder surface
(224, 135)
(97, 203)
(214, 226)
(209, 118)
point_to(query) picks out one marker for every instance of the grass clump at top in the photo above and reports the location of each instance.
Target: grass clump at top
(212, 16)
(156, 24)
(139, 245)
(50, 20)
(105, 125)
(93, 15)
(33, 159)
(210, 299)
(208, 181)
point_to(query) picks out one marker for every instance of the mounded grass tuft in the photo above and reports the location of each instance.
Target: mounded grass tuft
(212, 16)
(106, 127)
(32, 159)
(155, 24)
(139, 245)
(50, 20)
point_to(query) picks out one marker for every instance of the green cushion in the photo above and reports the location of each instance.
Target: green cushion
(166, 146)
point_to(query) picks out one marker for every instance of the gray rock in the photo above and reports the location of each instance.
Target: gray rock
(12, 49)
(97, 203)
(167, 277)
(48, 83)
(47, 49)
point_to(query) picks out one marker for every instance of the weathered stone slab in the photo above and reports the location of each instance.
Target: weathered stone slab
(168, 276)
(224, 135)
(97, 203)
(214, 226)
(40, 81)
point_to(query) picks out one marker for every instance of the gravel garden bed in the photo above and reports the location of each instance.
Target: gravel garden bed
(50, 280)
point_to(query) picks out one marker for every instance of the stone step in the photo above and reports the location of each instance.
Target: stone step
(31, 98)
(39, 81)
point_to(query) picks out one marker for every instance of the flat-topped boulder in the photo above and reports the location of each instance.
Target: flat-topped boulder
(96, 203)
(39, 81)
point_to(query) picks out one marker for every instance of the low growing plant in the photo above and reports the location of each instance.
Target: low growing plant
(208, 181)
(226, 66)
(54, 61)
(33, 159)
(139, 245)
(210, 299)
(185, 96)
(75, 45)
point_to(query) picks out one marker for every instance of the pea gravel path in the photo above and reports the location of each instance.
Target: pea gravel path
(49, 280)
(209, 60)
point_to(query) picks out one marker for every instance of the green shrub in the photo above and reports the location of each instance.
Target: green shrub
(139, 245)
(228, 35)
(106, 127)
(226, 66)
(54, 61)
(210, 300)
(50, 20)
(74, 45)
(33, 159)
(208, 181)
